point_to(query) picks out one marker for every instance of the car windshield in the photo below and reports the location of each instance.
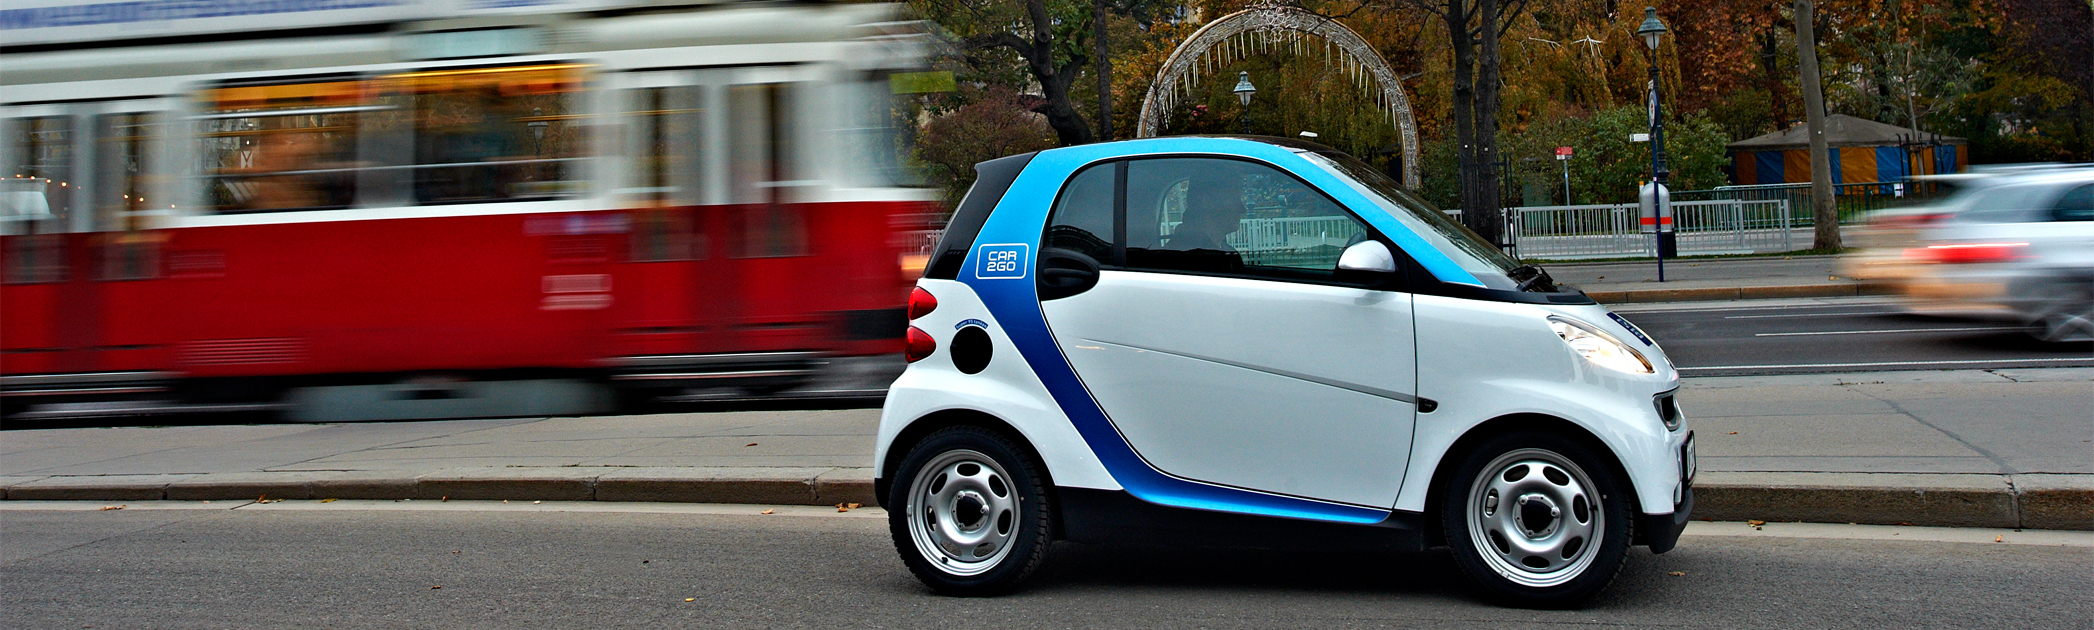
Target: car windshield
(1466, 248)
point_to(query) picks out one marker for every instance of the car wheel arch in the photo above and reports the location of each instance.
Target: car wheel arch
(913, 434)
(1476, 435)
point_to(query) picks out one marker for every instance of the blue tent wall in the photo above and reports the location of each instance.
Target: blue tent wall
(1890, 164)
(1768, 165)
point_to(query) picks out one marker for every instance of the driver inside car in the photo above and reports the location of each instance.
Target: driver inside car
(1213, 211)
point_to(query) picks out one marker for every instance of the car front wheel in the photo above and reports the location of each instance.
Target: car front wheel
(1537, 520)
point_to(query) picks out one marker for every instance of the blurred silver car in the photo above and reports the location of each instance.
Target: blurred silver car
(2021, 247)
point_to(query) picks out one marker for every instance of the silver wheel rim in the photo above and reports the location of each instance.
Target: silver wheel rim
(2065, 326)
(1535, 518)
(963, 512)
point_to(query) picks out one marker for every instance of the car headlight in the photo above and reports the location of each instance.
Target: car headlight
(1600, 348)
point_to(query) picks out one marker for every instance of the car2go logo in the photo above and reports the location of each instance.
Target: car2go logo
(1001, 262)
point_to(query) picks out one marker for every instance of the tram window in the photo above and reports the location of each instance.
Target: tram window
(872, 126)
(666, 173)
(668, 169)
(282, 147)
(123, 179)
(44, 153)
(492, 134)
(38, 199)
(762, 166)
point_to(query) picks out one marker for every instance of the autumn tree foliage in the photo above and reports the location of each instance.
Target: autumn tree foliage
(997, 122)
(2015, 77)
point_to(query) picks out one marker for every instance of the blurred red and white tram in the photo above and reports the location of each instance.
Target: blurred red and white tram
(443, 208)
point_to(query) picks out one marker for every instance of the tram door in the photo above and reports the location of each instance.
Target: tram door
(672, 284)
(84, 183)
(718, 235)
(780, 285)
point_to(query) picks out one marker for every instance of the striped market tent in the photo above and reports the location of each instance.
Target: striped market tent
(1862, 151)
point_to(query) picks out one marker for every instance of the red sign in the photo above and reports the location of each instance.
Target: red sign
(1563, 153)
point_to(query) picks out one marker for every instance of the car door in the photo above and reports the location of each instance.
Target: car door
(1217, 337)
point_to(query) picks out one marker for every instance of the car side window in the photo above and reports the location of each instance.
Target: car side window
(1082, 217)
(2076, 205)
(2004, 204)
(1211, 215)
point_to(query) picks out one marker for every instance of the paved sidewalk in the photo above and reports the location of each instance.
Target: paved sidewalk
(1711, 279)
(2007, 448)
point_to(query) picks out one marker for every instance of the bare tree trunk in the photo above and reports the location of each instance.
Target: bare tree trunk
(1464, 109)
(1104, 58)
(1491, 222)
(1824, 212)
(1770, 60)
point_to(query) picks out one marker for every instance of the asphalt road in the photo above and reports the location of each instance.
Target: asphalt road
(360, 568)
(1862, 334)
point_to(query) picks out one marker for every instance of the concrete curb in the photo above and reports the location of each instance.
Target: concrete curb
(2037, 501)
(1705, 294)
(781, 486)
(2034, 501)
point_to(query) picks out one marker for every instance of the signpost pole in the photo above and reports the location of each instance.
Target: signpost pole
(1563, 154)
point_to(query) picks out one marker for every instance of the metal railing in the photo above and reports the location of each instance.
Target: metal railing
(1613, 230)
(1854, 200)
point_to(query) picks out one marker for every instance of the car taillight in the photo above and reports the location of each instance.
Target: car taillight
(1911, 222)
(920, 345)
(921, 303)
(1959, 253)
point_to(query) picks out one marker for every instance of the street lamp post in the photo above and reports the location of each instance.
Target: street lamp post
(1243, 91)
(1652, 31)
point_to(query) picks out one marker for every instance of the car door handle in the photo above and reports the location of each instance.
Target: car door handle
(1065, 272)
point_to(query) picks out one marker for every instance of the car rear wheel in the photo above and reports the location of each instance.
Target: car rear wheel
(970, 514)
(2066, 315)
(1537, 520)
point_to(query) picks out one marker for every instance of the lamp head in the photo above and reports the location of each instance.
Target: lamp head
(1652, 29)
(1244, 89)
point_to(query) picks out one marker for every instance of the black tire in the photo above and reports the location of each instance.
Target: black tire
(1553, 496)
(978, 486)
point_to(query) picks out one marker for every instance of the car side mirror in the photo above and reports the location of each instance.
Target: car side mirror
(1369, 256)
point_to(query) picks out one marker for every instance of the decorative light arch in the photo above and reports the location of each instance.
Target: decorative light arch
(1268, 27)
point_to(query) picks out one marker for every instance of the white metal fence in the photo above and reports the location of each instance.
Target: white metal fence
(1726, 226)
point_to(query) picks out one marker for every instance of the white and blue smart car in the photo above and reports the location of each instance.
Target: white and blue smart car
(1264, 342)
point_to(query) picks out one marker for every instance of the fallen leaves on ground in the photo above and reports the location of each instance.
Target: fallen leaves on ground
(767, 511)
(329, 500)
(1677, 573)
(536, 502)
(690, 599)
(2000, 538)
(446, 499)
(1755, 524)
(1734, 433)
(435, 586)
(748, 445)
(106, 508)
(846, 507)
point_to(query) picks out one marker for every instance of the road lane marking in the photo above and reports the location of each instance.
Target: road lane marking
(1881, 364)
(1752, 305)
(1900, 330)
(1812, 315)
(1694, 528)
